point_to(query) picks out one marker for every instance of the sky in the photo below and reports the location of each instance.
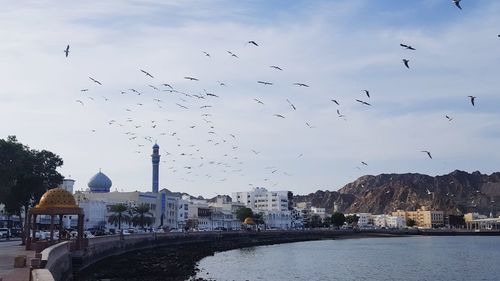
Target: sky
(338, 48)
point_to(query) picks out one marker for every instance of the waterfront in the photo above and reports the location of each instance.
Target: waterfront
(398, 258)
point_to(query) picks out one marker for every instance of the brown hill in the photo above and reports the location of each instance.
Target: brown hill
(455, 193)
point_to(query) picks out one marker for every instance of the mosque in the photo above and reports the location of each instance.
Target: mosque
(98, 198)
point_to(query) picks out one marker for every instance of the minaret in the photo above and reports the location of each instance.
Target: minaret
(155, 157)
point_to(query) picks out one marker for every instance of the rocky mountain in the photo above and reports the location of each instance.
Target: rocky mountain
(455, 193)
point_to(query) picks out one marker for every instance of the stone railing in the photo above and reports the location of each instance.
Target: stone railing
(57, 260)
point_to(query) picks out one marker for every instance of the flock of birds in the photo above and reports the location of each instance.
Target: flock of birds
(231, 162)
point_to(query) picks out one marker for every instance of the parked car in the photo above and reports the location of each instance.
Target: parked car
(4, 233)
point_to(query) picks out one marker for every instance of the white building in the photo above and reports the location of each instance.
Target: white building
(321, 212)
(388, 221)
(364, 219)
(272, 204)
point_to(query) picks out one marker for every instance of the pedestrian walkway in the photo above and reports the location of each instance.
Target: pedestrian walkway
(8, 251)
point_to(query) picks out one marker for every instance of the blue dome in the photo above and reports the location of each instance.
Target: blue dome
(156, 146)
(100, 183)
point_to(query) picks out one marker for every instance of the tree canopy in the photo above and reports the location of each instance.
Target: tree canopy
(410, 222)
(243, 213)
(142, 215)
(338, 219)
(120, 213)
(25, 174)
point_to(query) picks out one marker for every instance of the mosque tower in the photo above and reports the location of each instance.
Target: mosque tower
(155, 157)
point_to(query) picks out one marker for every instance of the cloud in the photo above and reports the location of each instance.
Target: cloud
(337, 48)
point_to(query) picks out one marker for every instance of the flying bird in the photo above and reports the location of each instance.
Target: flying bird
(256, 152)
(66, 51)
(232, 54)
(147, 73)
(221, 83)
(185, 107)
(301, 85)
(363, 102)
(405, 62)
(95, 81)
(279, 115)
(457, 3)
(428, 191)
(253, 43)
(84, 90)
(428, 153)
(205, 106)
(258, 101)
(191, 78)
(279, 68)
(206, 54)
(407, 47)
(364, 163)
(155, 88)
(472, 100)
(448, 117)
(264, 82)
(212, 95)
(167, 85)
(336, 102)
(367, 93)
(81, 102)
(309, 125)
(291, 104)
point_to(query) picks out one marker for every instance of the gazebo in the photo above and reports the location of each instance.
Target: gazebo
(55, 202)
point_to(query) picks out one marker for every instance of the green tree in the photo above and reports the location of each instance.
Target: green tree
(25, 175)
(142, 215)
(243, 213)
(315, 221)
(410, 222)
(258, 219)
(120, 213)
(352, 219)
(338, 219)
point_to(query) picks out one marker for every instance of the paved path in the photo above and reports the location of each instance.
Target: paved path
(8, 251)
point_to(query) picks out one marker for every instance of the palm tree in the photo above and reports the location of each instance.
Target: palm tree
(142, 215)
(120, 213)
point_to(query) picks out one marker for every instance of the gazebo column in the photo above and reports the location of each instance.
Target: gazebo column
(60, 226)
(52, 228)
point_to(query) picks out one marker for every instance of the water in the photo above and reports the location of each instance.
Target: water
(403, 258)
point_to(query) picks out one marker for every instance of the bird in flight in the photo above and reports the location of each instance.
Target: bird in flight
(256, 152)
(206, 54)
(301, 85)
(185, 107)
(428, 191)
(279, 68)
(264, 82)
(84, 90)
(367, 93)
(258, 101)
(95, 81)
(191, 78)
(81, 102)
(309, 125)
(155, 88)
(448, 117)
(253, 43)
(472, 100)
(212, 95)
(291, 104)
(405, 62)
(364, 163)
(407, 47)
(363, 102)
(221, 83)
(279, 115)
(167, 85)
(205, 106)
(336, 102)
(232, 54)
(147, 73)
(428, 153)
(457, 3)
(66, 51)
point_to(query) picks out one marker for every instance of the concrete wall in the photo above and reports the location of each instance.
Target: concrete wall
(57, 260)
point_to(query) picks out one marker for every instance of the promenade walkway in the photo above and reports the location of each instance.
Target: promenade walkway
(8, 251)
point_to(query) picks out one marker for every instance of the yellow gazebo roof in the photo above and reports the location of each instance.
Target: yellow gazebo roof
(57, 200)
(249, 221)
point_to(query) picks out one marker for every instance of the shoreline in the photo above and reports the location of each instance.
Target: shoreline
(179, 262)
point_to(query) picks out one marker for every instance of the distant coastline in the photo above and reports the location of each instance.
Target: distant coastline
(178, 261)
